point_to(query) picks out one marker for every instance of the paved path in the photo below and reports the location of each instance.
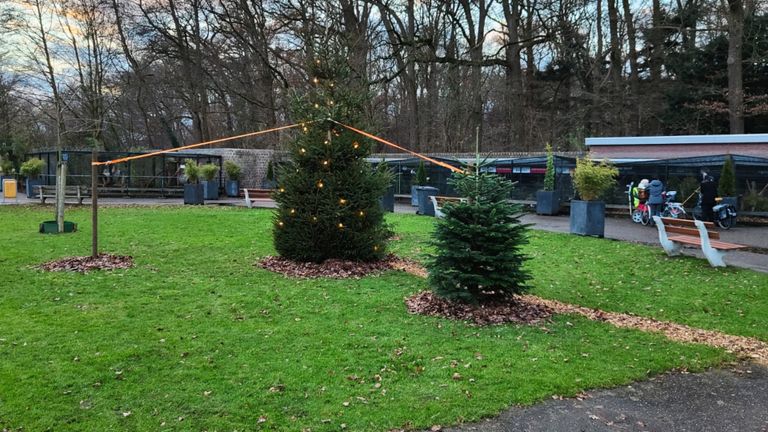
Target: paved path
(720, 400)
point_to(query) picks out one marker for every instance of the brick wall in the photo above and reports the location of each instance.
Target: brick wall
(253, 163)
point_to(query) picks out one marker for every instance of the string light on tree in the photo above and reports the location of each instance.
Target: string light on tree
(343, 218)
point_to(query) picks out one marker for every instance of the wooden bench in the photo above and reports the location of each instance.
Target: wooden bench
(674, 233)
(439, 201)
(78, 193)
(254, 194)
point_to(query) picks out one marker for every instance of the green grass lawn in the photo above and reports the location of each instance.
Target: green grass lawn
(196, 338)
(625, 277)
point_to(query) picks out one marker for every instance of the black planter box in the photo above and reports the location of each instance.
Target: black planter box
(547, 203)
(211, 189)
(193, 194)
(588, 218)
(31, 185)
(233, 188)
(415, 196)
(425, 204)
(388, 200)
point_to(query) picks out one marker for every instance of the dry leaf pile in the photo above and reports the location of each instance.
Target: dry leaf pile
(517, 310)
(88, 263)
(332, 268)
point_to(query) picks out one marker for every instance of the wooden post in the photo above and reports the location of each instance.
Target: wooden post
(94, 205)
(61, 187)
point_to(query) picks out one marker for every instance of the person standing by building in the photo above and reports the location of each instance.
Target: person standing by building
(655, 197)
(708, 190)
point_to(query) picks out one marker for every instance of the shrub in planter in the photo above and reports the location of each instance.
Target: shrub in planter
(420, 179)
(210, 183)
(269, 178)
(548, 200)
(193, 191)
(387, 201)
(234, 173)
(591, 181)
(479, 257)
(32, 169)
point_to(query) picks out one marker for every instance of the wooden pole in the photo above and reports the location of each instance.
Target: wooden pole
(94, 206)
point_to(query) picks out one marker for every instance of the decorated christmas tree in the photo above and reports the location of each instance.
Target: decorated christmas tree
(479, 257)
(328, 196)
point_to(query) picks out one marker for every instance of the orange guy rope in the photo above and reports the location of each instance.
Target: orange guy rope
(385, 142)
(146, 155)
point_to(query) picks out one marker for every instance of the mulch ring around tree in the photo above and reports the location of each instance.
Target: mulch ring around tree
(515, 310)
(333, 268)
(88, 263)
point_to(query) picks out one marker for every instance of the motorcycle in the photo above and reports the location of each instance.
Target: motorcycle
(724, 213)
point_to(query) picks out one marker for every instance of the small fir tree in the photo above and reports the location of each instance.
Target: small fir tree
(421, 175)
(549, 176)
(328, 196)
(727, 184)
(270, 171)
(479, 256)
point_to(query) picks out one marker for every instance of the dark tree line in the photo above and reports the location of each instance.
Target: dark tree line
(133, 74)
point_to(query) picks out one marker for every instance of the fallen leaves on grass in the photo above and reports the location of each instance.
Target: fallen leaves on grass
(88, 263)
(739, 345)
(499, 312)
(332, 268)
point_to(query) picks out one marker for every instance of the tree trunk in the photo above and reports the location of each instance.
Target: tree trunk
(514, 76)
(617, 99)
(634, 79)
(735, 84)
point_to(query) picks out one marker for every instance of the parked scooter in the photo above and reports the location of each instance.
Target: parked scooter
(724, 213)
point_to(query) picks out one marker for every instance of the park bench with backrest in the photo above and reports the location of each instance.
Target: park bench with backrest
(439, 201)
(254, 194)
(78, 193)
(675, 233)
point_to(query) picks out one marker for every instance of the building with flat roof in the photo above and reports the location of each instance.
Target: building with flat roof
(672, 147)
